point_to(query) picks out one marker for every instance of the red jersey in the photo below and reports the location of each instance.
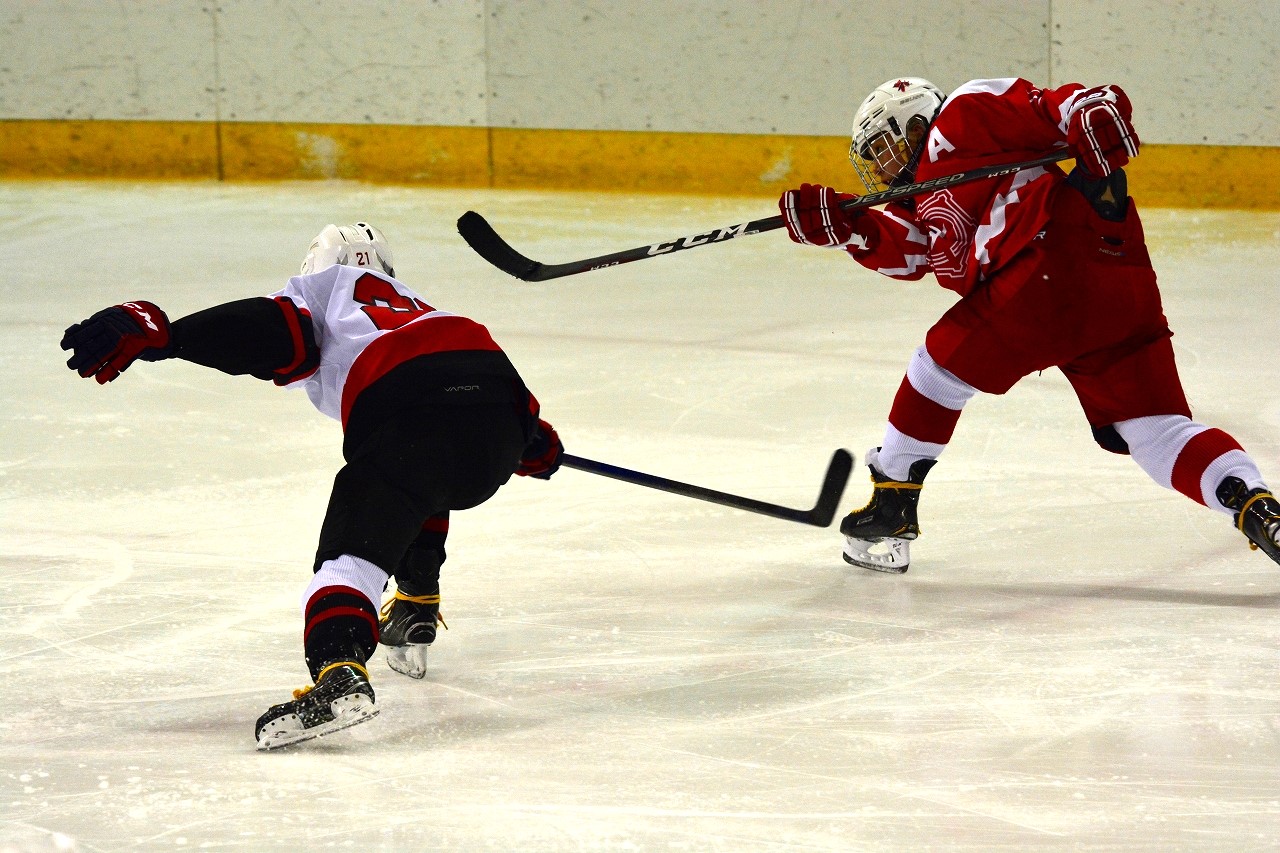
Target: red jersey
(965, 233)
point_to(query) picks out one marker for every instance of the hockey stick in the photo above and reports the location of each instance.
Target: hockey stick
(480, 235)
(821, 515)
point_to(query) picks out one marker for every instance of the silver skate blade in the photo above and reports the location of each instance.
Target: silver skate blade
(353, 713)
(408, 660)
(891, 555)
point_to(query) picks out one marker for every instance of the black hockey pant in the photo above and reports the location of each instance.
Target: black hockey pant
(417, 465)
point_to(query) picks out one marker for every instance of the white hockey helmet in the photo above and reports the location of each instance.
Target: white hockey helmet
(889, 130)
(359, 245)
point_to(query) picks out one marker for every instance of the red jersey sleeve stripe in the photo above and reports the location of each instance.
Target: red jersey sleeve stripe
(436, 524)
(298, 368)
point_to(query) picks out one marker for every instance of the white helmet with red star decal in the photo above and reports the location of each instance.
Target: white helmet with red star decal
(888, 130)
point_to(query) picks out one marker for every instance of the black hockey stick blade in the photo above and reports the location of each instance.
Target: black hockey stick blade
(489, 245)
(480, 236)
(822, 514)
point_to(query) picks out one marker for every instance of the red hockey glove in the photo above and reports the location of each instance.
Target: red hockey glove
(813, 216)
(541, 458)
(1102, 136)
(108, 342)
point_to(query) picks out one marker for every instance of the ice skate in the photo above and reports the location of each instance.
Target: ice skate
(340, 698)
(407, 629)
(878, 536)
(1257, 514)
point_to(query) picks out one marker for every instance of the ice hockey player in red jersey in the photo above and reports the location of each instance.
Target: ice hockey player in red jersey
(1052, 270)
(435, 418)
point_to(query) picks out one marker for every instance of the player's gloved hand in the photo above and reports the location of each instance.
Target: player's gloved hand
(813, 216)
(108, 342)
(1101, 134)
(541, 458)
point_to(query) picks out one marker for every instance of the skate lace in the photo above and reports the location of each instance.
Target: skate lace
(887, 484)
(1266, 522)
(412, 599)
(303, 691)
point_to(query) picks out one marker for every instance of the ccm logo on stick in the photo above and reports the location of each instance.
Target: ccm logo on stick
(699, 239)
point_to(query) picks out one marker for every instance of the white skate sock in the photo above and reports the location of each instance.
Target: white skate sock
(361, 575)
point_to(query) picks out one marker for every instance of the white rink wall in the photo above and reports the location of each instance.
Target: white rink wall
(1199, 73)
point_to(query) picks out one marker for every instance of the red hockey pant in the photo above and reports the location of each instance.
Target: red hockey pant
(1081, 297)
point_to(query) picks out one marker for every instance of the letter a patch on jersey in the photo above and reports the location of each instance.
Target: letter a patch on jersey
(938, 144)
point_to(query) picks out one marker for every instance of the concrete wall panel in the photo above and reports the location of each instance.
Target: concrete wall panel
(1198, 72)
(364, 63)
(91, 60)
(731, 67)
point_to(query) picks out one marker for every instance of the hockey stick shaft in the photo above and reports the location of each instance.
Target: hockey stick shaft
(820, 515)
(487, 243)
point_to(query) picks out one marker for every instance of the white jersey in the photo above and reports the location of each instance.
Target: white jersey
(365, 323)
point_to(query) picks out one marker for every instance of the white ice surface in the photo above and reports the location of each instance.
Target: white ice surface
(1077, 659)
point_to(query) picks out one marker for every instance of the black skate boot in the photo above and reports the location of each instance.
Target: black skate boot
(1257, 514)
(341, 697)
(878, 536)
(408, 623)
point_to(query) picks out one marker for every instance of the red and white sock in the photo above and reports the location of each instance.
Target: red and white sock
(1189, 457)
(923, 417)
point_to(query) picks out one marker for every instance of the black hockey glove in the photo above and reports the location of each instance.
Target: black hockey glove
(541, 458)
(108, 342)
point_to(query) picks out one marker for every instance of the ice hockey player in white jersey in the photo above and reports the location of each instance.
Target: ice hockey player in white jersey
(435, 418)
